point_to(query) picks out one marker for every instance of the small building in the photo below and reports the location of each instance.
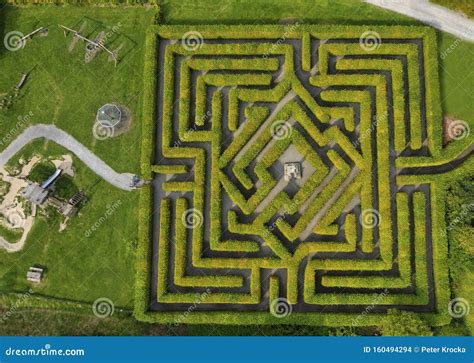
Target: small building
(54, 202)
(35, 194)
(292, 171)
(68, 210)
(109, 115)
(35, 274)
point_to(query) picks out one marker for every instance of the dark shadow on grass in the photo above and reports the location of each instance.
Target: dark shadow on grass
(3, 10)
(115, 39)
(442, 80)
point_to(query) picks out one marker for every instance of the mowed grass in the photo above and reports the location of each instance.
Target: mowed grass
(51, 323)
(457, 77)
(62, 90)
(93, 257)
(269, 11)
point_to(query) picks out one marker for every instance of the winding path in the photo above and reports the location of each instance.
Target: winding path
(122, 181)
(437, 16)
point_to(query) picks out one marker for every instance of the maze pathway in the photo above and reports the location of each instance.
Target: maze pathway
(233, 241)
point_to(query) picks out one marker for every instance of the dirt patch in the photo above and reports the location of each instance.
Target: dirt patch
(64, 163)
(454, 129)
(126, 123)
(75, 40)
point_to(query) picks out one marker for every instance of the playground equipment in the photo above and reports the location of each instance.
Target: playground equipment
(91, 45)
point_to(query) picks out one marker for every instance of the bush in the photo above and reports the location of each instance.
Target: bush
(404, 323)
(64, 187)
(41, 172)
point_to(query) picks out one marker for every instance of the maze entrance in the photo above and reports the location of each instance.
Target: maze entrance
(355, 224)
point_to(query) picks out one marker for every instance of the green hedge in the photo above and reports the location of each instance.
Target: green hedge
(255, 75)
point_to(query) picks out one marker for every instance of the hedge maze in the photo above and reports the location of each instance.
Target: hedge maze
(357, 232)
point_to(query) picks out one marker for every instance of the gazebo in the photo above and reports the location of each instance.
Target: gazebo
(109, 115)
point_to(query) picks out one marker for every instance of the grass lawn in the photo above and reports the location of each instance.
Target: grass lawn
(64, 91)
(11, 235)
(268, 11)
(52, 323)
(80, 266)
(457, 79)
(41, 171)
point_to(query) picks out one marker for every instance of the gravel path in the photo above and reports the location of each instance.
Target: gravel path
(437, 16)
(122, 181)
(17, 246)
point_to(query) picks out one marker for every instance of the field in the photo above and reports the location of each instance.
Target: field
(83, 268)
(64, 91)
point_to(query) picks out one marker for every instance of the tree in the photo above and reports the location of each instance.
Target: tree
(345, 331)
(404, 323)
(456, 328)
